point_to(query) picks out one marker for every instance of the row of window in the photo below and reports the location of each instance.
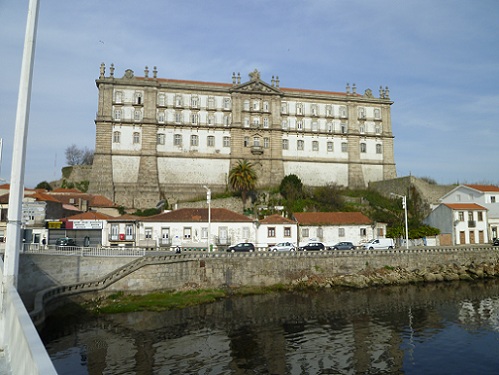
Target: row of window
(255, 142)
(305, 232)
(471, 216)
(300, 109)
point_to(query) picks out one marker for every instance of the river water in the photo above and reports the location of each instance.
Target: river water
(441, 328)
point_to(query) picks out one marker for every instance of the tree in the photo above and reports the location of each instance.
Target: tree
(291, 187)
(44, 185)
(79, 156)
(243, 178)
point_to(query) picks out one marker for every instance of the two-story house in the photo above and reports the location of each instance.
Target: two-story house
(276, 229)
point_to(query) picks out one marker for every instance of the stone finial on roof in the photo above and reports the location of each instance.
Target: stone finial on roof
(146, 72)
(348, 88)
(155, 72)
(277, 81)
(111, 70)
(272, 81)
(354, 89)
(234, 78)
(238, 78)
(387, 93)
(102, 70)
(381, 92)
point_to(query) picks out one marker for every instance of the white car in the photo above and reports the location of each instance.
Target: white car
(283, 246)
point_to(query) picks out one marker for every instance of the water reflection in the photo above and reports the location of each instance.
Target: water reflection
(437, 328)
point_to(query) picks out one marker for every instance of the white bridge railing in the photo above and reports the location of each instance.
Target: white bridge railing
(19, 340)
(85, 251)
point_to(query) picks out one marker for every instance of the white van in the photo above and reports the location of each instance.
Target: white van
(380, 243)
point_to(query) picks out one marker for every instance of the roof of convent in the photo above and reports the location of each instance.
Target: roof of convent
(331, 218)
(198, 215)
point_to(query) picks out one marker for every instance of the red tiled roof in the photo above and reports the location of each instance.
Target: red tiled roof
(66, 191)
(90, 215)
(126, 217)
(331, 218)
(465, 206)
(484, 188)
(198, 215)
(276, 219)
(42, 196)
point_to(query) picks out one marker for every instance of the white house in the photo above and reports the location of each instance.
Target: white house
(189, 228)
(484, 195)
(333, 227)
(275, 229)
(460, 223)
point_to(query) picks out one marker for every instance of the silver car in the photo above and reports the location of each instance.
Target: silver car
(283, 246)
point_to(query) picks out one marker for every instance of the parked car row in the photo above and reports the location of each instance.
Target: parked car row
(311, 246)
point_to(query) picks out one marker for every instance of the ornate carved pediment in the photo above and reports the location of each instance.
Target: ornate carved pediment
(128, 74)
(256, 85)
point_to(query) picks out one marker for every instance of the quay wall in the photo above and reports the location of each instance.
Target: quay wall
(213, 270)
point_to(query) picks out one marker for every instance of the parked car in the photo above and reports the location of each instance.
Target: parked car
(242, 246)
(380, 243)
(313, 246)
(343, 246)
(496, 242)
(283, 246)
(65, 242)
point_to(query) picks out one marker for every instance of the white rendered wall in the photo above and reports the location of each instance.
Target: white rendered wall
(193, 170)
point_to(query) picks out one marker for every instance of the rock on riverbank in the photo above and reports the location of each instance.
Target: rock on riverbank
(400, 276)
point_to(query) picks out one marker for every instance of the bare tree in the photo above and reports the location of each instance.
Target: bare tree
(79, 156)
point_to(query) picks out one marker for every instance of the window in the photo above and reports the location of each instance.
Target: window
(315, 126)
(344, 128)
(344, 147)
(362, 128)
(330, 147)
(187, 232)
(271, 232)
(377, 113)
(129, 231)
(148, 233)
(379, 149)
(137, 115)
(492, 199)
(246, 105)
(299, 144)
(320, 232)
(194, 140)
(315, 146)
(256, 105)
(266, 142)
(211, 120)
(246, 142)
(256, 122)
(362, 113)
(363, 148)
(117, 114)
(343, 112)
(226, 103)
(329, 126)
(161, 100)
(246, 122)
(285, 144)
(480, 215)
(287, 231)
(341, 232)
(136, 137)
(284, 107)
(246, 232)
(161, 116)
(177, 140)
(265, 122)
(226, 142)
(266, 106)
(460, 215)
(160, 139)
(138, 98)
(204, 232)
(194, 101)
(299, 124)
(178, 100)
(299, 109)
(211, 102)
(470, 215)
(314, 110)
(118, 97)
(210, 141)
(329, 110)
(226, 120)
(194, 118)
(304, 232)
(377, 129)
(284, 124)
(256, 141)
(116, 137)
(178, 117)
(363, 232)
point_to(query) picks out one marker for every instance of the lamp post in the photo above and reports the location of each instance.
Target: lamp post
(404, 205)
(208, 200)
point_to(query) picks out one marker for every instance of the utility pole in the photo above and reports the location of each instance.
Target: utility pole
(404, 205)
(208, 200)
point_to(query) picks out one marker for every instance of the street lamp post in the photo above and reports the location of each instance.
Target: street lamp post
(404, 205)
(208, 200)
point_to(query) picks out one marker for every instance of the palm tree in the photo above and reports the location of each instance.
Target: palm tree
(242, 177)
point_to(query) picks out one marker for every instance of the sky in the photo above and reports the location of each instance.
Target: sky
(440, 60)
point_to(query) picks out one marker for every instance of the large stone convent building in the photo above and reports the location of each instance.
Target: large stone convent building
(160, 138)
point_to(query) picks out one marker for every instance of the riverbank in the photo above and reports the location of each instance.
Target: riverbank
(169, 300)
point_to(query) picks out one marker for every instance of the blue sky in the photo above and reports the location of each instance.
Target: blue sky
(440, 60)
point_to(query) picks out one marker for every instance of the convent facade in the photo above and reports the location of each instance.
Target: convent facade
(162, 138)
